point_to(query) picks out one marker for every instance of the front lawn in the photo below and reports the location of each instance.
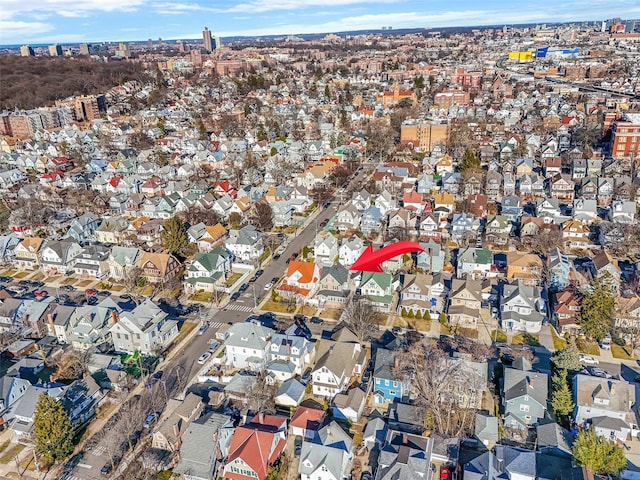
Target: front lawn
(587, 346)
(526, 339)
(233, 278)
(558, 342)
(277, 307)
(468, 332)
(9, 454)
(622, 352)
(69, 281)
(419, 324)
(308, 310)
(331, 313)
(498, 336)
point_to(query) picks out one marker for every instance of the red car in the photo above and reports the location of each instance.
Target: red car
(91, 291)
(445, 474)
(40, 293)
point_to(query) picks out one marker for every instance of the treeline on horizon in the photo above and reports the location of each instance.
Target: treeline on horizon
(32, 82)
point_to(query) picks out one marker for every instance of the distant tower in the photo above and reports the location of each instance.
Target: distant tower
(123, 50)
(150, 43)
(27, 51)
(218, 42)
(55, 50)
(180, 45)
(208, 41)
(84, 49)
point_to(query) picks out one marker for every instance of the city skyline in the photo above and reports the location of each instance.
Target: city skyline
(74, 21)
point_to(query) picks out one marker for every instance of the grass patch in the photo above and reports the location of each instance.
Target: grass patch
(69, 281)
(331, 313)
(445, 329)
(147, 290)
(4, 445)
(28, 463)
(558, 342)
(8, 455)
(9, 273)
(184, 331)
(420, 324)
(233, 278)
(38, 276)
(85, 283)
(587, 346)
(117, 288)
(308, 310)
(468, 332)
(277, 307)
(526, 339)
(622, 352)
(498, 336)
(399, 322)
(21, 274)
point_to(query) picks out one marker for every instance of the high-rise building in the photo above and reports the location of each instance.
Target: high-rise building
(55, 50)
(625, 140)
(84, 49)
(123, 50)
(208, 40)
(218, 44)
(27, 51)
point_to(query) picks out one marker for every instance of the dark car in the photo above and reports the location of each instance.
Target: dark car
(92, 300)
(73, 461)
(37, 284)
(157, 375)
(317, 320)
(297, 446)
(299, 317)
(259, 272)
(253, 279)
(235, 296)
(68, 288)
(104, 293)
(275, 279)
(125, 296)
(5, 279)
(243, 287)
(276, 256)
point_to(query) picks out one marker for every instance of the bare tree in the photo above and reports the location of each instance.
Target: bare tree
(261, 397)
(200, 215)
(321, 193)
(131, 276)
(362, 318)
(262, 216)
(131, 415)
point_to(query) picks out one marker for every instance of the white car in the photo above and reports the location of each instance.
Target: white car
(268, 286)
(588, 359)
(204, 357)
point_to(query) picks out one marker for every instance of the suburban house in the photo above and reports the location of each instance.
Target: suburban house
(524, 395)
(208, 270)
(301, 279)
(337, 360)
(465, 301)
(606, 403)
(145, 329)
(377, 288)
(27, 253)
(522, 307)
(526, 267)
(325, 250)
(333, 287)
(255, 446)
(350, 250)
(389, 383)
(246, 244)
(159, 267)
(247, 345)
(58, 257)
(406, 456)
(421, 294)
(503, 462)
(123, 260)
(475, 263)
(306, 422)
(292, 348)
(328, 456)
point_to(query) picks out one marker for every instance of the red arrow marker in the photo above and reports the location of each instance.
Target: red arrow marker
(370, 261)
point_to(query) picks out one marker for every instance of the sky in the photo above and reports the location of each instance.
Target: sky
(78, 21)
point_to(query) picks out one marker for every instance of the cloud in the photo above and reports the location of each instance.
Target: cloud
(258, 6)
(15, 8)
(13, 30)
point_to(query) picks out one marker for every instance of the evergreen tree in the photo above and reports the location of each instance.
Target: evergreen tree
(561, 399)
(469, 161)
(567, 358)
(597, 453)
(53, 430)
(596, 310)
(174, 236)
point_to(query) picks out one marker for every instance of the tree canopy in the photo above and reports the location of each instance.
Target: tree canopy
(567, 358)
(53, 430)
(561, 398)
(174, 236)
(597, 309)
(597, 453)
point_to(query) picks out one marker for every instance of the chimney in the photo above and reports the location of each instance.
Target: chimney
(260, 418)
(396, 363)
(176, 430)
(405, 439)
(114, 316)
(531, 382)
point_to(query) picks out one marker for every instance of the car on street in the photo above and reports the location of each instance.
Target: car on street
(68, 288)
(73, 461)
(124, 296)
(92, 300)
(203, 328)
(243, 287)
(150, 420)
(91, 291)
(275, 279)
(253, 279)
(235, 296)
(276, 256)
(104, 293)
(106, 468)
(40, 293)
(157, 375)
(598, 372)
(588, 359)
(5, 279)
(259, 272)
(204, 357)
(317, 320)
(214, 346)
(268, 286)
(298, 317)
(37, 284)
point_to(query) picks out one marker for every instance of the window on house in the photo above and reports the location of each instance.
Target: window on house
(386, 383)
(524, 408)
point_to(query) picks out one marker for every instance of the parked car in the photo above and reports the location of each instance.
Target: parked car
(366, 476)
(235, 296)
(92, 300)
(243, 287)
(253, 279)
(157, 375)
(5, 279)
(40, 293)
(106, 468)
(598, 372)
(297, 446)
(204, 357)
(275, 279)
(605, 343)
(203, 328)
(259, 272)
(588, 359)
(317, 320)
(268, 286)
(91, 291)
(276, 256)
(150, 420)
(214, 346)
(299, 317)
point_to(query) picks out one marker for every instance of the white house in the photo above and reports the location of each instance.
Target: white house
(247, 345)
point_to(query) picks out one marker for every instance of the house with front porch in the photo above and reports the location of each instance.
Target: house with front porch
(334, 287)
(27, 253)
(325, 249)
(208, 271)
(522, 307)
(58, 257)
(390, 384)
(301, 279)
(422, 294)
(92, 262)
(377, 289)
(524, 395)
(245, 244)
(159, 267)
(350, 250)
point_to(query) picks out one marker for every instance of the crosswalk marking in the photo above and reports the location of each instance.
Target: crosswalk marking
(239, 308)
(216, 324)
(98, 451)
